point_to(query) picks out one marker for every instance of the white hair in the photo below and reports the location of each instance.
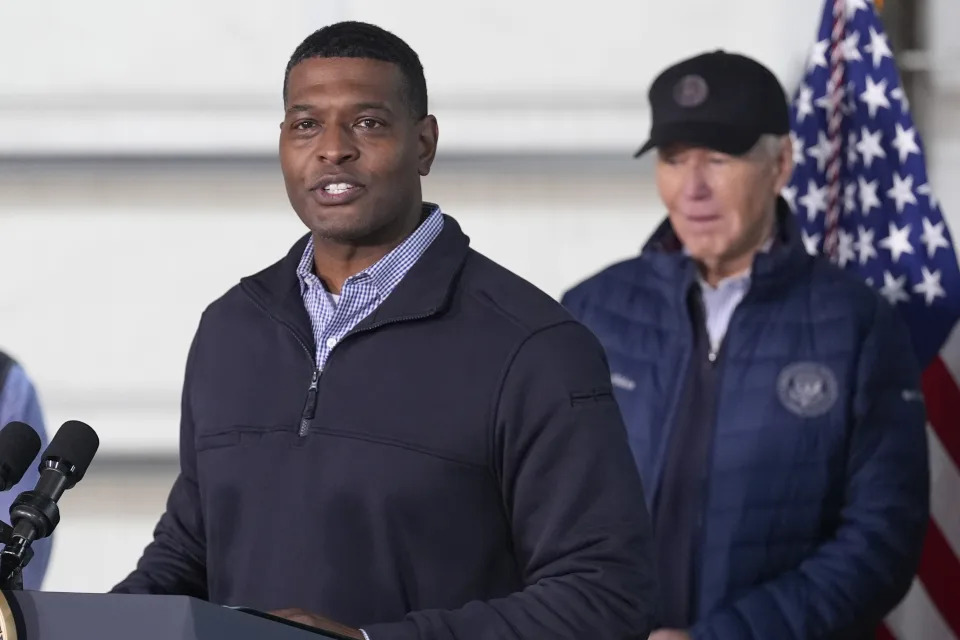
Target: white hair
(770, 146)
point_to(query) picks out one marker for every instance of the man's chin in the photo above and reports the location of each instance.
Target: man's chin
(349, 224)
(340, 223)
(347, 231)
(341, 234)
(702, 250)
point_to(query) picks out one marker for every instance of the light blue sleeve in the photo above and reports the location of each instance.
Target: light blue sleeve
(18, 401)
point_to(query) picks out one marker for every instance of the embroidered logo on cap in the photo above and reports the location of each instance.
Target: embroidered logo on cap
(807, 389)
(691, 91)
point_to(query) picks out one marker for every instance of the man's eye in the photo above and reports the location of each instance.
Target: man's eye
(369, 123)
(302, 125)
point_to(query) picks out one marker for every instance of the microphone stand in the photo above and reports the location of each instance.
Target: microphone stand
(12, 560)
(35, 514)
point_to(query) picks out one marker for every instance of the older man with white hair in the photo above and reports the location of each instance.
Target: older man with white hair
(772, 400)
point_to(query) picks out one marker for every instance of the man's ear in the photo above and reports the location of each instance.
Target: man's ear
(427, 135)
(783, 164)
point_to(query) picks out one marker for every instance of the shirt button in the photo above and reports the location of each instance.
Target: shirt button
(331, 343)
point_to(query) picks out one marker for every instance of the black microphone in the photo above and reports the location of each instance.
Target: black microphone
(19, 445)
(34, 514)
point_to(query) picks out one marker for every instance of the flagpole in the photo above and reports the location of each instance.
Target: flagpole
(835, 89)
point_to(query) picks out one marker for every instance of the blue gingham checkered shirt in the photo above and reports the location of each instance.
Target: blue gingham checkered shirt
(361, 293)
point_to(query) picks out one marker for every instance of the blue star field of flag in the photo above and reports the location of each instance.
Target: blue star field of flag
(891, 230)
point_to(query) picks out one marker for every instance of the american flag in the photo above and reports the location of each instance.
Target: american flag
(888, 229)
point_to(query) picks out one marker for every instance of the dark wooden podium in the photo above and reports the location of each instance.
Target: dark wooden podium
(40, 615)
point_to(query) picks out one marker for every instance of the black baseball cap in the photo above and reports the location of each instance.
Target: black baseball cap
(719, 100)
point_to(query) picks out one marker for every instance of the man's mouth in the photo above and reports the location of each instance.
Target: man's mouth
(336, 190)
(339, 188)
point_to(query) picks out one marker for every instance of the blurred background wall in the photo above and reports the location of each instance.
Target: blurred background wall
(138, 178)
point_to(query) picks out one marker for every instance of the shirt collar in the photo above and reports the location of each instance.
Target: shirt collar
(386, 273)
(741, 279)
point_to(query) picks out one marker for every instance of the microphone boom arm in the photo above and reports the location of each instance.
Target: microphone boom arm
(12, 561)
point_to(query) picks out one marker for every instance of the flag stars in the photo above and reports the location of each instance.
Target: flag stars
(850, 197)
(824, 102)
(818, 54)
(898, 94)
(902, 192)
(804, 103)
(796, 143)
(870, 147)
(878, 47)
(930, 288)
(905, 142)
(814, 200)
(925, 190)
(933, 237)
(898, 242)
(875, 96)
(855, 5)
(851, 47)
(868, 195)
(821, 151)
(882, 164)
(789, 193)
(811, 242)
(865, 248)
(893, 289)
(845, 248)
(852, 148)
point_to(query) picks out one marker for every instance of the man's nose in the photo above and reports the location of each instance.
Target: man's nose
(336, 145)
(695, 184)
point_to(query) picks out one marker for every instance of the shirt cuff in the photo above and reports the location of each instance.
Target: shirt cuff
(365, 636)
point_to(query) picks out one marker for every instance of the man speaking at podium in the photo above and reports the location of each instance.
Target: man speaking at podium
(385, 433)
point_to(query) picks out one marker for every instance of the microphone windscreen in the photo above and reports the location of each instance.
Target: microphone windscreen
(19, 445)
(75, 443)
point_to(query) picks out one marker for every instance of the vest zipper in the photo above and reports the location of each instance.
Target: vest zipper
(310, 406)
(313, 391)
(715, 363)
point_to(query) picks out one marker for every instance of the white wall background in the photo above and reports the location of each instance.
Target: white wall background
(138, 181)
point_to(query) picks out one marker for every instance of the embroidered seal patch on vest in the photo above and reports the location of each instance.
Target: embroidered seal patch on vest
(807, 389)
